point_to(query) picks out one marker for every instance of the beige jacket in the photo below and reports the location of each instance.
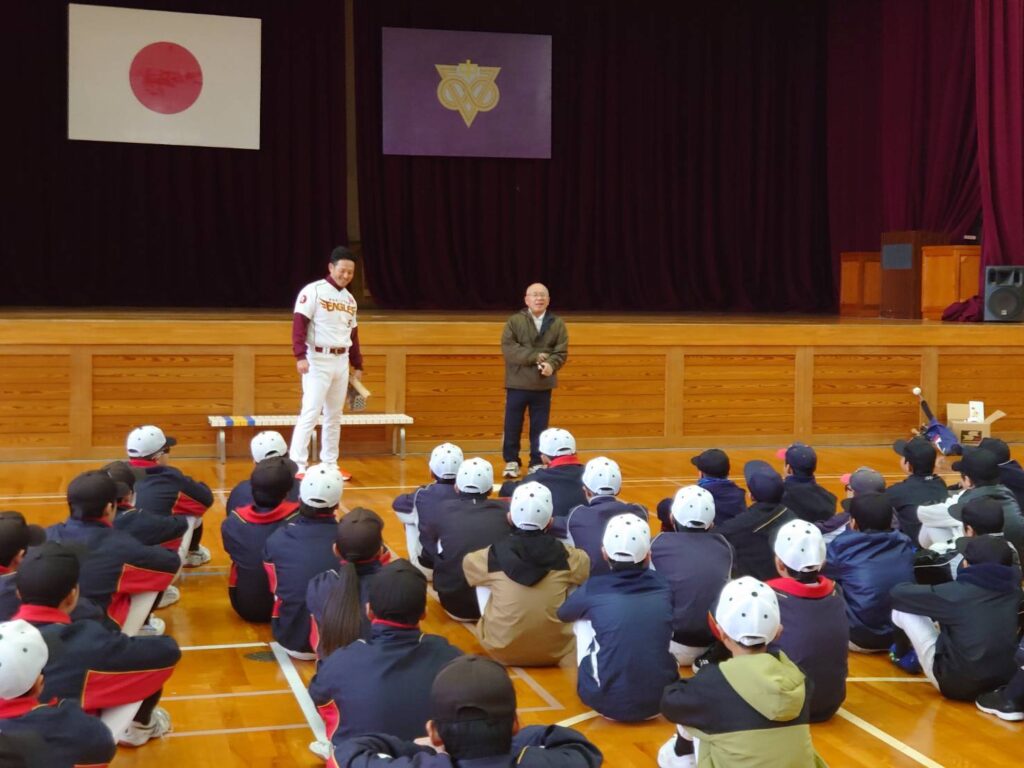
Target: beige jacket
(520, 625)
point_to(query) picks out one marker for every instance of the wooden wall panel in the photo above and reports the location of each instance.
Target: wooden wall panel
(35, 400)
(175, 392)
(995, 379)
(455, 397)
(865, 394)
(738, 394)
(611, 396)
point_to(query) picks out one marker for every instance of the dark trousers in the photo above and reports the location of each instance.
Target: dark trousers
(516, 403)
(145, 713)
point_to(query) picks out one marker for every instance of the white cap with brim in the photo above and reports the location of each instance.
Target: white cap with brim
(445, 460)
(602, 476)
(627, 538)
(556, 442)
(693, 507)
(147, 441)
(748, 611)
(800, 546)
(321, 486)
(475, 476)
(23, 654)
(267, 444)
(531, 507)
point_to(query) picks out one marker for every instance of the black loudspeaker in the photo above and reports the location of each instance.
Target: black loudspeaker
(1004, 294)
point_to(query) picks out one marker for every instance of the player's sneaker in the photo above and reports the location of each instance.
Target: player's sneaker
(153, 628)
(534, 468)
(907, 662)
(321, 749)
(346, 476)
(171, 595)
(667, 757)
(136, 734)
(196, 557)
(996, 703)
(511, 470)
(300, 655)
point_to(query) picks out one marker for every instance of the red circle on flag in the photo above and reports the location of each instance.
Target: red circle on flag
(166, 78)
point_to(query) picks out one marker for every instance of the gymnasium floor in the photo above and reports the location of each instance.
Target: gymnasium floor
(235, 703)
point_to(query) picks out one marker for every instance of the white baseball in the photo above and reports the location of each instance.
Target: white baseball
(916, 390)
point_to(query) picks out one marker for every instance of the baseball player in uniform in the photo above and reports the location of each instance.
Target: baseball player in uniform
(325, 341)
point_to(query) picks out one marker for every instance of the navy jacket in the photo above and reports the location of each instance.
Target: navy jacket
(564, 478)
(241, 494)
(321, 586)
(586, 524)
(1011, 474)
(427, 502)
(752, 536)
(536, 746)
(467, 524)
(245, 532)
(867, 565)
(293, 555)
(808, 500)
(696, 565)
(628, 664)
(70, 737)
(815, 636)
(908, 494)
(977, 616)
(167, 490)
(380, 685)
(115, 565)
(151, 529)
(97, 666)
(730, 501)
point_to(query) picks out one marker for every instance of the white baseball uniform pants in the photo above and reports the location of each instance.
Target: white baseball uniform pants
(324, 389)
(923, 635)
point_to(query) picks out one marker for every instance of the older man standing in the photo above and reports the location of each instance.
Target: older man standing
(535, 345)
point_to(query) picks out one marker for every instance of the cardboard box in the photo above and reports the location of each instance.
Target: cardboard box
(969, 432)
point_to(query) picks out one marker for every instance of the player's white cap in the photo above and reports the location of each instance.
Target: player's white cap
(748, 611)
(475, 476)
(321, 486)
(800, 546)
(267, 444)
(693, 507)
(23, 654)
(531, 507)
(445, 460)
(145, 441)
(602, 476)
(627, 538)
(556, 442)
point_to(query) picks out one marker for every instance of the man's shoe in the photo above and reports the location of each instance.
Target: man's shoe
(907, 662)
(511, 470)
(321, 749)
(197, 557)
(996, 703)
(667, 757)
(153, 628)
(171, 595)
(136, 734)
(346, 476)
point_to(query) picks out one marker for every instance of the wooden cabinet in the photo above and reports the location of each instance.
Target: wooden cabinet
(860, 283)
(949, 274)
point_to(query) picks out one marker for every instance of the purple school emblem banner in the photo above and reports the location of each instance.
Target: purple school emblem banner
(468, 94)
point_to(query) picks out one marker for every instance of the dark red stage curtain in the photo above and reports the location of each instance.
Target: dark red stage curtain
(999, 35)
(688, 169)
(93, 223)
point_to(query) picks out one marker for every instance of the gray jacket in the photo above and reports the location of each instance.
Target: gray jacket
(521, 344)
(1013, 523)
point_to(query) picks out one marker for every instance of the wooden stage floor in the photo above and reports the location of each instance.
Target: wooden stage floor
(234, 705)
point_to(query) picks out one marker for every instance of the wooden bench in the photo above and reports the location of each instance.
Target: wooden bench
(399, 420)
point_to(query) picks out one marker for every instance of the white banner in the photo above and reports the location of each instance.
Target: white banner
(155, 77)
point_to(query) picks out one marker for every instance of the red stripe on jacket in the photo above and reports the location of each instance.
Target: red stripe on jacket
(112, 689)
(135, 579)
(331, 716)
(186, 505)
(280, 512)
(41, 614)
(271, 570)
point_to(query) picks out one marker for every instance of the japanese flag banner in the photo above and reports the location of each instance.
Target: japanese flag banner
(156, 77)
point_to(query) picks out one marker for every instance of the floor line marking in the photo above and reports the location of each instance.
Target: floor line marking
(224, 647)
(227, 731)
(888, 680)
(577, 719)
(539, 689)
(291, 674)
(232, 695)
(892, 741)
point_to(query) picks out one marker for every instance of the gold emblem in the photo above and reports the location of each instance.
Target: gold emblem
(468, 89)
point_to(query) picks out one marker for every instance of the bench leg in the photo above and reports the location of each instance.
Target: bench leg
(401, 442)
(221, 447)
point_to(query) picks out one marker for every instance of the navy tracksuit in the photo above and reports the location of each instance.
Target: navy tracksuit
(321, 586)
(564, 478)
(293, 555)
(97, 666)
(426, 501)
(696, 565)
(69, 737)
(586, 524)
(908, 494)
(815, 637)
(381, 684)
(167, 490)
(241, 494)
(245, 533)
(115, 566)
(730, 501)
(808, 500)
(628, 664)
(151, 529)
(752, 536)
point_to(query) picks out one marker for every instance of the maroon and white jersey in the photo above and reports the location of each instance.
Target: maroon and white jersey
(332, 314)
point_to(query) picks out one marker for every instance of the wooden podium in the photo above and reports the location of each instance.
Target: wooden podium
(859, 283)
(901, 272)
(949, 273)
